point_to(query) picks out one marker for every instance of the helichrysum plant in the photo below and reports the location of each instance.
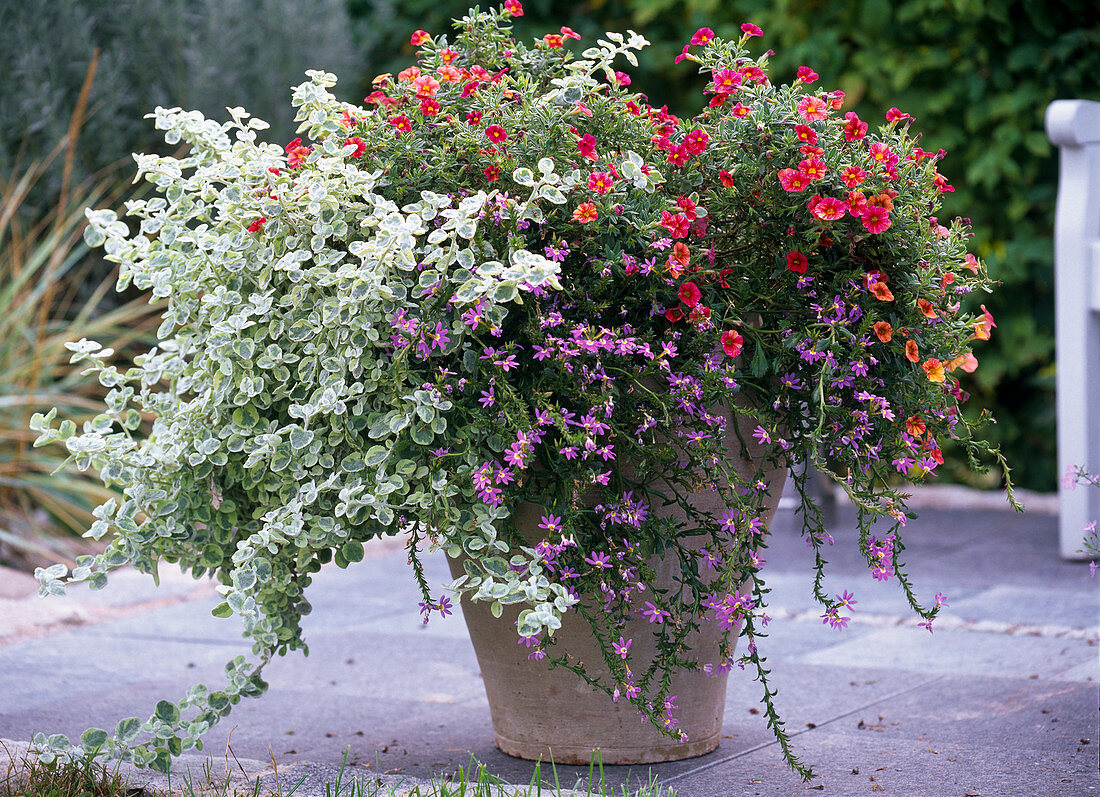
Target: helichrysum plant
(507, 278)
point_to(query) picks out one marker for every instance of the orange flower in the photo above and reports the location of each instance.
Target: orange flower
(411, 73)
(585, 213)
(915, 426)
(884, 200)
(983, 327)
(968, 362)
(911, 353)
(933, 369)
(884, 331)
(882, 292)
(926, 308)
(681, 254)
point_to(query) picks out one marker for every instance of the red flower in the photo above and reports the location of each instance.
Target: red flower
(419, 37)
(915, 426)
(553, 40)
(911, 352)
(807, 75)
(690, 294)
(852, 176)
(797, 262)
(793, 180)
(402, 124)
(492, 173)
(429, 107)
(569, 33)
(677, 224)
(883, 293)
(678, 155)
(585, 213)
(830, 209)
(894, 115)
(296, 153)
(473, 118)
(876, 219)
(882, 153)
(857, 203)
(600, 182)
(814, 168)
(685, 204)
(513, 7)
(726, 178)
(674, 314)
(854, 129)
(732, 343)
(586, 146)
(360, 146)
(805, 133)
(496, 134)
(257, 224)
(696, 141)
(751, 30)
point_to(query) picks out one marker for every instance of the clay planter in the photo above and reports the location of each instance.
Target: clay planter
(539, 712)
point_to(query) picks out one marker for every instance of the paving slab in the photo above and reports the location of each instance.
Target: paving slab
(996, 701)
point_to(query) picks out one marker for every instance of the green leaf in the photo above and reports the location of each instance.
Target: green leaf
(422, 435)
(496, 565)
(167, 711)
(128, 729)
(93, 739)
(222, 610)
(300, 438)
(497, 608)
(375, 456)
(352, 551)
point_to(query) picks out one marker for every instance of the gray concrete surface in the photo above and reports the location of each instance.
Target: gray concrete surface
(1000, 700)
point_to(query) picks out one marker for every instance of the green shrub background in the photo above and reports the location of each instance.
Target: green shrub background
(976, 74)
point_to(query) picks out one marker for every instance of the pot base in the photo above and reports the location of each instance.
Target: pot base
(611, 756)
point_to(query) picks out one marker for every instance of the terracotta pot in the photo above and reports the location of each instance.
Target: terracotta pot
(539, 712)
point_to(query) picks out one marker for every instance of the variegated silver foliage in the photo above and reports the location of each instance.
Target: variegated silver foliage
(287, 427)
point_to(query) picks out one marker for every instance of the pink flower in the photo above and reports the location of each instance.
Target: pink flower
(513, 7)
(696, 141)
(726, 80)
(894, 115)
(622, 646)
(854, 129)
(690, 294)
(496, 134)
(807, 75)
(751, 30)
(793, 180)
(360, 146)
(813, 109)
(814, 168)
(732, 343)
(586, 146)
(876, 219)
(703, 36)
(419, 37)
(852, 176)
(830, 209)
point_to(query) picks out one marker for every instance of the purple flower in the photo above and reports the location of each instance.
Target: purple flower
(550, 523)
(622, 646)
(599, 559)
(654, 614)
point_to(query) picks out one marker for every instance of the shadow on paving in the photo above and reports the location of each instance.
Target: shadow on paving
(1001, 699)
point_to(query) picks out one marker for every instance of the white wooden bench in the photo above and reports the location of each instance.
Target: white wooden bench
(1074, 127)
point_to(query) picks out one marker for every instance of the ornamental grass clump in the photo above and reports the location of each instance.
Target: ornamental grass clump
(509, 279)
